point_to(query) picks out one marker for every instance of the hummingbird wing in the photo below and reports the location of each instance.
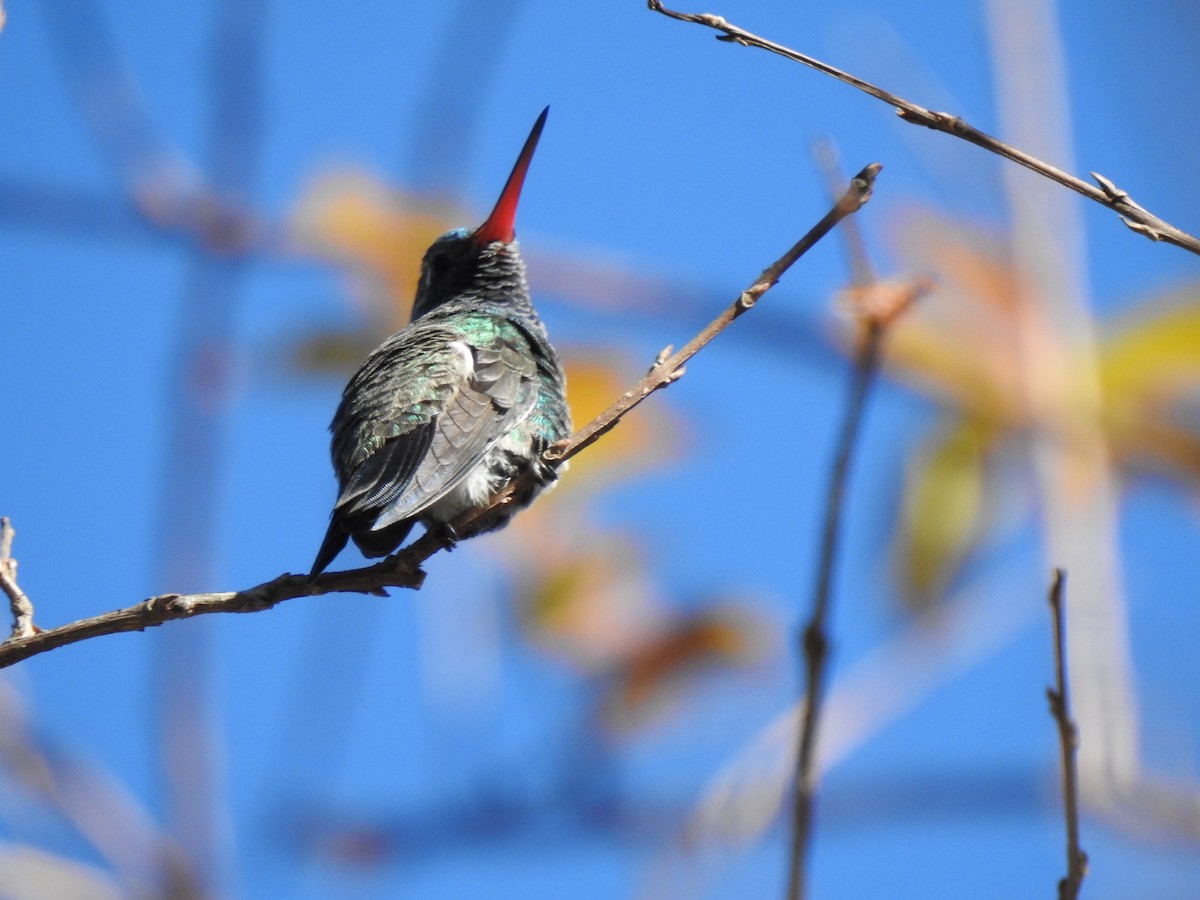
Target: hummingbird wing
(422, 413)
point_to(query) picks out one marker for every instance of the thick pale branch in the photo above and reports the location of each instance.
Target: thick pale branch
(403, 570)
(1068, 742)
(1136, 217)
(21, 606)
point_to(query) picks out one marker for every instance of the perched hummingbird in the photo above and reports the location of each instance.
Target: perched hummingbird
(450, 408)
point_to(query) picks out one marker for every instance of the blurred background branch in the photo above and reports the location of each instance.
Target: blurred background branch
(814, 643)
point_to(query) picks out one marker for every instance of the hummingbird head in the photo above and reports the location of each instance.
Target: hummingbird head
(482, 264)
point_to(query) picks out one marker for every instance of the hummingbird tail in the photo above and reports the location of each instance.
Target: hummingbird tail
(335, 540)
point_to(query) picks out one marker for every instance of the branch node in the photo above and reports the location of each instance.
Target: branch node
(1141, 228)
(1111, 191)
(816, 644)
(160, 602)
(659, 361)
(879, 303)
(554, 453)
(184, 605)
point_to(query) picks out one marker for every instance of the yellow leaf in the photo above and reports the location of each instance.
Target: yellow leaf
(380, 234)
(942, 509)
(1156, 353)
(1149, 370)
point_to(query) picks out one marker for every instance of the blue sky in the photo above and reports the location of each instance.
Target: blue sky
(666, 154)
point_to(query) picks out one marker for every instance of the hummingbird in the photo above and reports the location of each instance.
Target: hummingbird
(458, 402)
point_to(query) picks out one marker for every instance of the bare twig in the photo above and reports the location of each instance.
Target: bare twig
(670, 369)
(1107, 194)
(403, 570)
(874, 320)
(825, 156)
(1068, 741)
(874, 305)
(22, 607)
(815, 641)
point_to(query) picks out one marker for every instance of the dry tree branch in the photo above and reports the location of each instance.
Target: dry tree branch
(22, 607)
(1134, 216)
(668, 368)
(1068, 742)
(404, 568)
(815, 641)
(876, 306)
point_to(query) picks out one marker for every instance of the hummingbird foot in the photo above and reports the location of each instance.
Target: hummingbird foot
(544, 472)
(447, 535)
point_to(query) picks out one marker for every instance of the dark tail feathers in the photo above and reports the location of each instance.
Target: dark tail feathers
(371, 543)
(335, 540)
(385, 540)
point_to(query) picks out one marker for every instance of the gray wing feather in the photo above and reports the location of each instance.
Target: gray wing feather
(469, 426)
(420, 414)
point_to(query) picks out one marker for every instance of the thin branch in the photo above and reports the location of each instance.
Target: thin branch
(403, 570)
(815, 640)
(1068, 742)
(22, 607)
(858, 261)
(668, 369)
(874, 305)
(875, 314)
(1136, 217)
